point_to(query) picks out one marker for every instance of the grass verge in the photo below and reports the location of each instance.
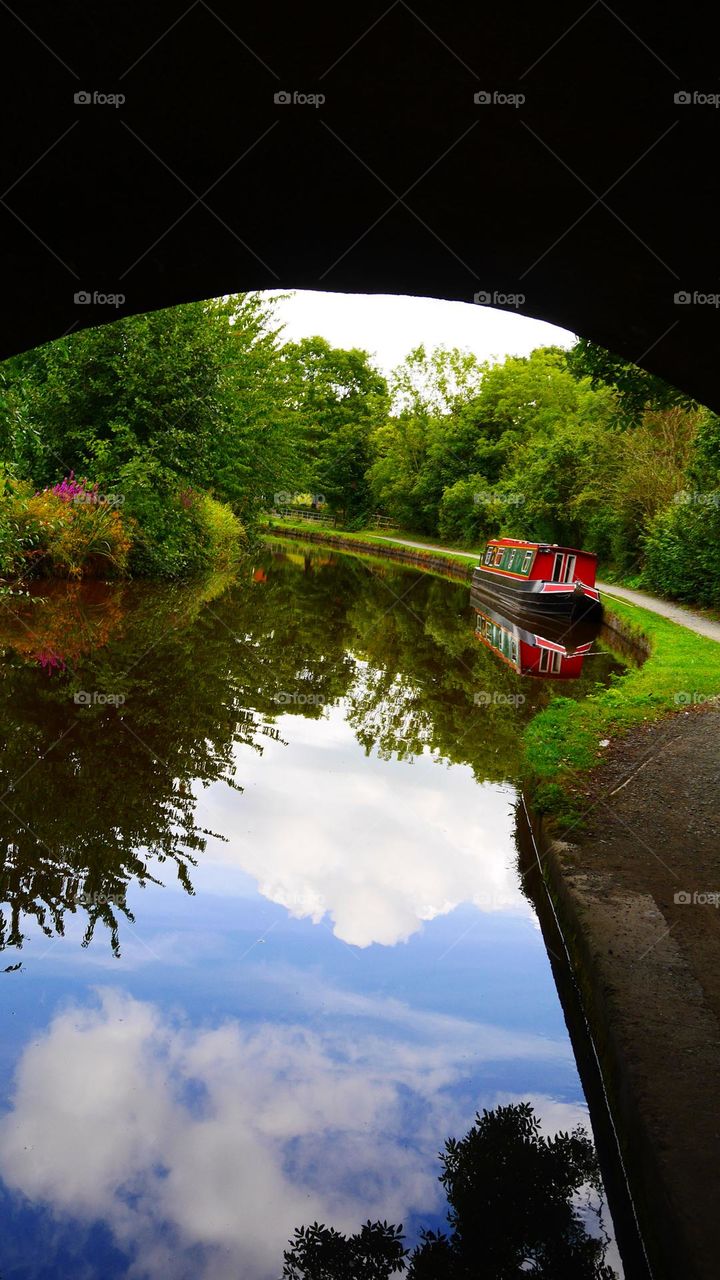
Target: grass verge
(563, 742)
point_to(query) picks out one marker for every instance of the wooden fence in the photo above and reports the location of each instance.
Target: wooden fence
(323, 517)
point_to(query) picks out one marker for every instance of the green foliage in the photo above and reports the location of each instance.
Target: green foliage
(179, 530)
(637, 389)
(338, 400)
(13, 531)
(467, 512)
(577, 447)
(223, 534)
(192, 396)
(682, 547)
(47, 533)
(512, 449)
(191, 388)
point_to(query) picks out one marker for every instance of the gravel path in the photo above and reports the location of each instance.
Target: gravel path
(675, 612)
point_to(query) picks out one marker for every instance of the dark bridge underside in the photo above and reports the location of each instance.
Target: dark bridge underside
(596, 198)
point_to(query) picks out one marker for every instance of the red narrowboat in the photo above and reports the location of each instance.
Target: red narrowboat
(531, 654)
(539, 579)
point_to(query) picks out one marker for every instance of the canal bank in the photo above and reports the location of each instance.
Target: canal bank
(447, 565)
(636, 898)
(632, 883)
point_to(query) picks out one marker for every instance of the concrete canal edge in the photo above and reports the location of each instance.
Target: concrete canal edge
(657, 1050)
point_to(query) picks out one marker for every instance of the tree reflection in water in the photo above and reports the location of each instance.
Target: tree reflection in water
(514, 1210)
(118, 700)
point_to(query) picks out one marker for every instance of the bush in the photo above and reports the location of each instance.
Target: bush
(166, 539)
(11, 551)
(179, 530)
(152, 526)
(222, 532)
(681, 549)
(67, 530)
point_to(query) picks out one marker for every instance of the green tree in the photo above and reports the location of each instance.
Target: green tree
(637, 389)
(338, 399)
(193, 393)
(427, 444)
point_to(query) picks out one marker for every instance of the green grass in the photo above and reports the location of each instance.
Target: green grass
(562, 743)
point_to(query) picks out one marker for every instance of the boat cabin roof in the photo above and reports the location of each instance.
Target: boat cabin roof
(537, 546)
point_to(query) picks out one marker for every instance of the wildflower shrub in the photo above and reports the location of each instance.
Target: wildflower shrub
(153, 525)
(68, 530)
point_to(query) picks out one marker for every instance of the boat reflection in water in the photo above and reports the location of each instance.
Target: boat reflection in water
(557, 654)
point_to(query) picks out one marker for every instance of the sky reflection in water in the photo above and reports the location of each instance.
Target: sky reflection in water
(357, 972)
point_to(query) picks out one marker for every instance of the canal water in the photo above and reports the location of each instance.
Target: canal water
(265, 940)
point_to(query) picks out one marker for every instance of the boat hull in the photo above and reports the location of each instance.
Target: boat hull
(536, 600)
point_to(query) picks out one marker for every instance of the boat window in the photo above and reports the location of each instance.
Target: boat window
(550, 661)
(570, 568)
(527, 561)
(558, 567)
(498, 555)
(489, 555)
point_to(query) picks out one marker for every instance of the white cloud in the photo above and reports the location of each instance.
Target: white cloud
(378, 849)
